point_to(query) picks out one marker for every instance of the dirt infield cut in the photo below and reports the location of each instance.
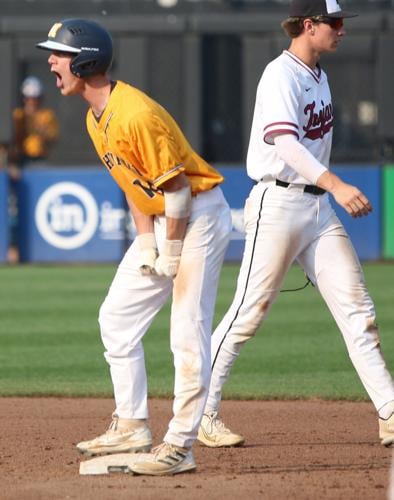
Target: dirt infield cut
(294, 450)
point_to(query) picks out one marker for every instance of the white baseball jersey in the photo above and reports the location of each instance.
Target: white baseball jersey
(291, 99)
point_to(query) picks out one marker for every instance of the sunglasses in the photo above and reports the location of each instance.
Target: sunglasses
(336, 23)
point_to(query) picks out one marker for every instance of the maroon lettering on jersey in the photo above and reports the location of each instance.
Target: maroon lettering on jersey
(319, 122)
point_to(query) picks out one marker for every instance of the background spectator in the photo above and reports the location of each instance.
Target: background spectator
(35, 129)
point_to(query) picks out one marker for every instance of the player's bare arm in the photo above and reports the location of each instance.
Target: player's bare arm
(348, 196)
(143, 222)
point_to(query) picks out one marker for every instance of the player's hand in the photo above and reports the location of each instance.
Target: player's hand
(147, 262)
(168, 261)
(352, 200)
(147, 253)
(349, 197)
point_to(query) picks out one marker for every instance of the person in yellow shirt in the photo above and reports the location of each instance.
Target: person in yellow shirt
(35, 130)
(183, 224)
(36, 127)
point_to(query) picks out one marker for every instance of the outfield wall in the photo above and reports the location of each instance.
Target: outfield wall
(388, 212)
(79, 214)
(70, 215)
(366, 232)
(3, 216)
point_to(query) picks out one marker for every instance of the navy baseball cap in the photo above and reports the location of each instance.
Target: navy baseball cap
(315, 8)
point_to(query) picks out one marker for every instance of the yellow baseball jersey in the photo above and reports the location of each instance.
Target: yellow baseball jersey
(142, 147)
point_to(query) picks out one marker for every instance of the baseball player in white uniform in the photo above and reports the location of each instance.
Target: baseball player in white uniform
(288, 217)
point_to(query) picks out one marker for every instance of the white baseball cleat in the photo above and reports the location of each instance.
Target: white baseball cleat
(165, 459)
(121, 437)
(386, 431)
(214, 434)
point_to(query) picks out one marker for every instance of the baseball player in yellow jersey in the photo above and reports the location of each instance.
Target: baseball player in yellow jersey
(183, 224)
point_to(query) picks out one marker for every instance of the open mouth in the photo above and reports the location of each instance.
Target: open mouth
(59, 81)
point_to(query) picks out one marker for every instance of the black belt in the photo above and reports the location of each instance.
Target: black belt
(308, 188)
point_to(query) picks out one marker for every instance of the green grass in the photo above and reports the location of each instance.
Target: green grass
(50, 344)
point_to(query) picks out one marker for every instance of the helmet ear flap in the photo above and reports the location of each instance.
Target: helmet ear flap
(82, 68)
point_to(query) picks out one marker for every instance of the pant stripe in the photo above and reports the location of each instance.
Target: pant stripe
(247, 279)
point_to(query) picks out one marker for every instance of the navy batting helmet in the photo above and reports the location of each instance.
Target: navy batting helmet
(90, 42)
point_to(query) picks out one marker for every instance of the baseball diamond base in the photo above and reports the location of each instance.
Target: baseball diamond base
(118, 462)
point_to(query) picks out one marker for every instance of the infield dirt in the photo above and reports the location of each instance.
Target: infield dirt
(294, 450)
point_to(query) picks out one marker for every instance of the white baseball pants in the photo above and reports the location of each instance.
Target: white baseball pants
(284, 225)
(133, 301)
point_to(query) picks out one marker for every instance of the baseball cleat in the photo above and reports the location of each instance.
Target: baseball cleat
(165, 459)
(386, 431)
(215, 434)
(121, 437)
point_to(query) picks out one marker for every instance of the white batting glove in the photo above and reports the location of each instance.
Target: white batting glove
(147, 246)
(167, 263)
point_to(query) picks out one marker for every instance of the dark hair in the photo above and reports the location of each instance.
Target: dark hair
(293, 26)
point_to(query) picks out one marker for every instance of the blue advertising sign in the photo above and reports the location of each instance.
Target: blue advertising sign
(365, 232)
(236, 188)
(79, 215)
(4, 234)
(71, 215)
